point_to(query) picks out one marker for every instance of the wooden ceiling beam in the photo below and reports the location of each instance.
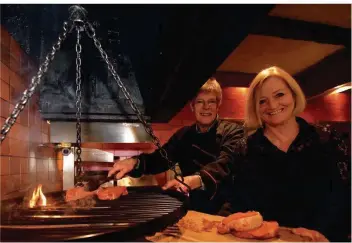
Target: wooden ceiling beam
(302, 30)
(234, 79)
(330, 72)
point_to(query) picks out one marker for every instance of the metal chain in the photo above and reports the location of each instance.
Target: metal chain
(78, 163)
(35, 81)
(91, 33)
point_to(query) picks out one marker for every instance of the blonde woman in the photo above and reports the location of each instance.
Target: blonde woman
(203, 151)
(290, 170)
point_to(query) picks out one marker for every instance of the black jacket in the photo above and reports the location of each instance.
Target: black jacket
(305, 187)
(208, 153)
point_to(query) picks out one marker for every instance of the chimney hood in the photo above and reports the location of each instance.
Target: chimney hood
(98, 132)
(163, 54)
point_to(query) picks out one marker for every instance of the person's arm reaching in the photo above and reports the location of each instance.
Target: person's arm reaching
(214, 173)
(152, 163)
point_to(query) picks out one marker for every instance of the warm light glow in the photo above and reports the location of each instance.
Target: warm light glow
(37, 197)
(333, 91)
(129, 136)
(341, 88)
(243, 90)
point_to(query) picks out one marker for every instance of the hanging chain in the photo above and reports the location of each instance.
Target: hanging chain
(91, 33)
(78, 163)
(35, 81)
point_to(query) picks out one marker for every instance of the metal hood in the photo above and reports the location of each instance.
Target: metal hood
(98, 132)
(163, 54)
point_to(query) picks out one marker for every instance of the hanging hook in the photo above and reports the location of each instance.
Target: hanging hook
(78, 15)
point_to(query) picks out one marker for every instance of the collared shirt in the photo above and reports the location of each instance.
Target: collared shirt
(210, 127)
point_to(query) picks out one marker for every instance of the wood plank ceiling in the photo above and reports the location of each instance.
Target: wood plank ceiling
(310, 41)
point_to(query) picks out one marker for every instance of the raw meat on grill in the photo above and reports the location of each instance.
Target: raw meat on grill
(76, 193)
(111, 193)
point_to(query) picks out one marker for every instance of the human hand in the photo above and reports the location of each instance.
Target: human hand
(122, 167)
(192, 181)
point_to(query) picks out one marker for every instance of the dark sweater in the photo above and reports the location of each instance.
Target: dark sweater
(208, 153)
(299, 188)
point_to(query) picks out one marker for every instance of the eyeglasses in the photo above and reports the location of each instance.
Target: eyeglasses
(209, 103)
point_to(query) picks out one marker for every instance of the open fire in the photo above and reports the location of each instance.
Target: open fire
(38, 197)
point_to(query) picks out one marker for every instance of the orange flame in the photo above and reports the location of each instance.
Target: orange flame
(37, 197)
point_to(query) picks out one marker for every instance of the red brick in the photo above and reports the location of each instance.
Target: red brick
(5, 147)
(4, 108)
(5, 91)
(24, 166)
(15, 165)
(32, 165)
(43, 177)
(9, 185)
(5, 73)
(5, 55)
(4, 186)
(5, 37)
(19, 132)
(18, 148)
(52, 165)
(24, 117)
(25, 181)
(5, 165)
(42, 165)
(16, 83)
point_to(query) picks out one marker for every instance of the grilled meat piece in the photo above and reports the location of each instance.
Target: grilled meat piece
(111, 193)
(311, 234)
(76, 193)
(266, 231)
(240, 222)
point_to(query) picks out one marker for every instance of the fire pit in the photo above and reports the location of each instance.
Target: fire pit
(143, 211)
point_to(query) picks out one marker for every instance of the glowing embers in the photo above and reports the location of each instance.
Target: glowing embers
(38, 198)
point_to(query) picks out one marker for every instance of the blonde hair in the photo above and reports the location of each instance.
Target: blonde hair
(252, 119)
(211, 86)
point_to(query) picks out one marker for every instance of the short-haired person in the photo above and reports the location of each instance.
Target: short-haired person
(203, 151)
(290, 170)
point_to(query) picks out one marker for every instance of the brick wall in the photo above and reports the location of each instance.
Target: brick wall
(24, 161)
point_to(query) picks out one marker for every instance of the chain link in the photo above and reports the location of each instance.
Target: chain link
(91, 33)
(78, 163)
(35, 81)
